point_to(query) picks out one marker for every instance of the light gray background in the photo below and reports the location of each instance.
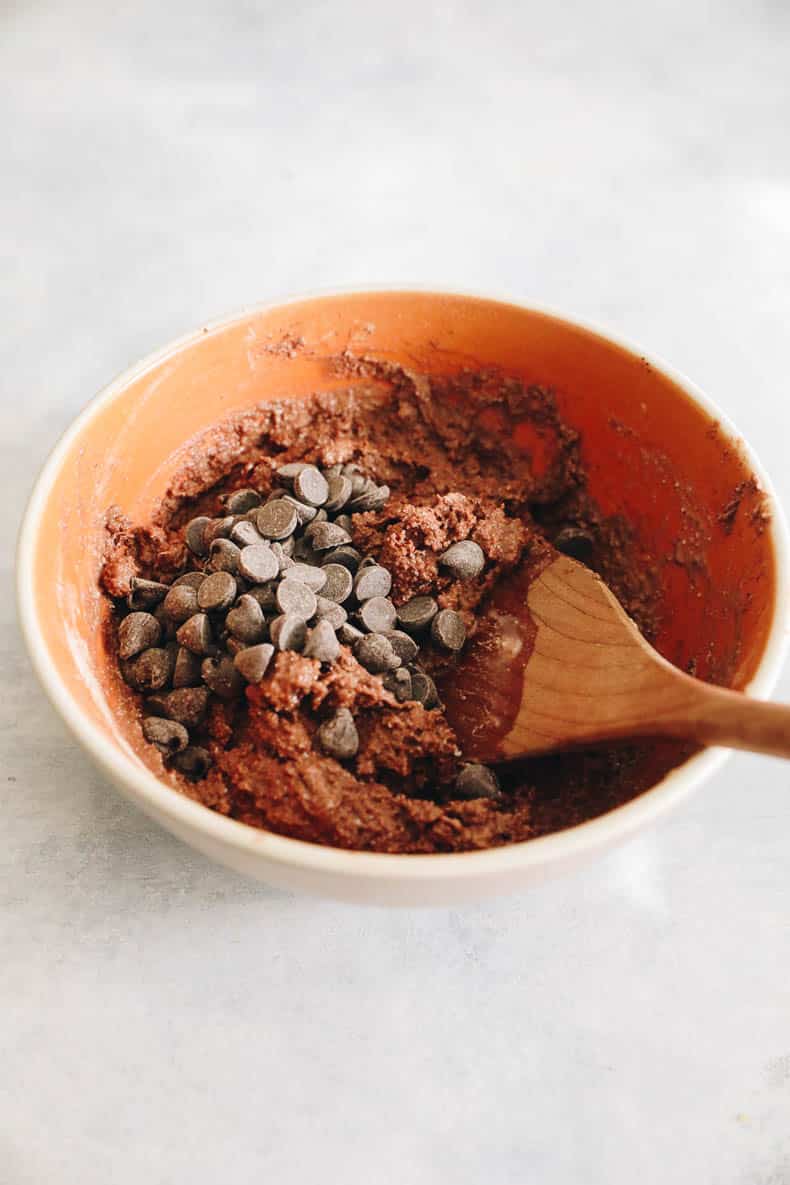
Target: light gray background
(163, 1021)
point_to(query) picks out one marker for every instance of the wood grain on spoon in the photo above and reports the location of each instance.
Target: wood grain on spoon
(574, 670)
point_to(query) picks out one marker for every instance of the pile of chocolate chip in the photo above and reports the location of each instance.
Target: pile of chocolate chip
(282, 574)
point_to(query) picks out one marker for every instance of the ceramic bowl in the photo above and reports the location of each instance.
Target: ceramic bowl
(653, 444)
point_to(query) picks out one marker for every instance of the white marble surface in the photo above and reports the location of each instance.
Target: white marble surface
(160, 1019)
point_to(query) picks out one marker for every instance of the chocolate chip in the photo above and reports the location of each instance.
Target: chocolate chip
(187, 705)
(242, 501)
(171, 649)
(346, 522)
(217, 592)
(246, 621)
(219, 528)
(370, 499)
(368, 562)
(195, 634)
(224, 556)
(417, 614)
(149, 671)
(326, 535)
(186, 672)
(265, 595)
(169, 736)
(288, 473)
(246, 534)
(191, 579)
(282, 552)
(137, 632)
(349, 557)
(330, 611)
(272, 496)
(311, 486)
(463, 560)
(339, 582)
(314, 578)
(145, 594)
(195, 534)
(339, 492)
(477, 781)
(304, 554)
(423, 689)
(399, 683)
(194, 763)
(295, 598)
(235, 646)
(348, 634)
(258, 563)
(288, 632)
(304, 513)
(448, 630)
(345, 557)
(308, 531)
(322, 643)
(253, 662)
(338, 736)
(181, 603)
(372, 581)
(221, 676)
(404, 646)
(155, 704)
(168, 626)
(375, 654)
(277, 520)
(360, 484)
(377, 615)
(576, 543)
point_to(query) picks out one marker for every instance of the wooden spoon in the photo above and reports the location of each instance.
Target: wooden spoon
(574, 670)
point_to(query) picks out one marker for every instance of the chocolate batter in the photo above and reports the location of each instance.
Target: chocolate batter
(476, 456)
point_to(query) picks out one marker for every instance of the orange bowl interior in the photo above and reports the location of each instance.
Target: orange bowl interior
(652, 454)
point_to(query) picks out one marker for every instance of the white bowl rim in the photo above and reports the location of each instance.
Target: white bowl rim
(557, 847)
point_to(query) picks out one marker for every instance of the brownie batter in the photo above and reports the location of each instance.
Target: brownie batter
(472, 457)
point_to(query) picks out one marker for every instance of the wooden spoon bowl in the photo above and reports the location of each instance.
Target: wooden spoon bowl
(558, 663)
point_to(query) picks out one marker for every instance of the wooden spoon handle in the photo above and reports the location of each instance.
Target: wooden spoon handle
(714, 716)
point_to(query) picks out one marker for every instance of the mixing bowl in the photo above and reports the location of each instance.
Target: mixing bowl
(654, 446)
